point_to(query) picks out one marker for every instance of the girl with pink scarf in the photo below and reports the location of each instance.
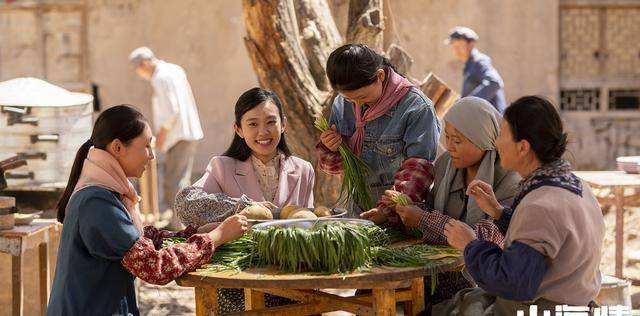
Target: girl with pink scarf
(104, 245)
(385, 120)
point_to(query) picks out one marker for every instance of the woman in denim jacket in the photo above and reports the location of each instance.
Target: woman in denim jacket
(385, 120)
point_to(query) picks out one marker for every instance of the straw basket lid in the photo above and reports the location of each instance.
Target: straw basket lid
(39, 93)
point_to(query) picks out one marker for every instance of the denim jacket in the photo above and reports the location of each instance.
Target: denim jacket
(409, 129)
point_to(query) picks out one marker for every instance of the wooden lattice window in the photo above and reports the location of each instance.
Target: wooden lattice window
(580, 100)
(599, 55)
(624, 99)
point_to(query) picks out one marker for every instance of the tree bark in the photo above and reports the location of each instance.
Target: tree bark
(366, 23)
(320, 36)
(279, 61)
(289, 45)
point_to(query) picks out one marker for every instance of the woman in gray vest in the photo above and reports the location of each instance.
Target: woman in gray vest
(471, 129)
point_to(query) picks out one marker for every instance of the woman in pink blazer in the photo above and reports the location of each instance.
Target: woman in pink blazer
(257, 168)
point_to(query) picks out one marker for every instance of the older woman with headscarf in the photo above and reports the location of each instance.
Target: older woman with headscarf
(471, 128)
(554, 228)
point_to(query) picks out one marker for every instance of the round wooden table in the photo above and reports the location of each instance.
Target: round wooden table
(388, 286)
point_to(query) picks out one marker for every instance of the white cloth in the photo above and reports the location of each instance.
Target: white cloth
(174, 107)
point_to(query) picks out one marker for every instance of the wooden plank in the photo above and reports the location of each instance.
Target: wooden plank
(270, 277)
(287, 310)
(417, 296)
(439, 92)
(602, 179)
(384, 303)
(619, 196)
(331, 301)
(44, 276)
(17, 287)
(149, 192)
(253, 299)
(402, 295)
(205, 298)
(28, 230)
(153, 178)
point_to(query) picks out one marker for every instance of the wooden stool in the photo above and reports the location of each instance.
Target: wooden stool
(16, 242)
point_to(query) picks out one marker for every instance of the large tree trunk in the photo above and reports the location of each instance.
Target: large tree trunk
(289, 45)
(366, 23)
(320, 37)
(281, 65)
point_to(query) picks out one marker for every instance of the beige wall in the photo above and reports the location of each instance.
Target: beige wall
(205, 37)
(520, 36)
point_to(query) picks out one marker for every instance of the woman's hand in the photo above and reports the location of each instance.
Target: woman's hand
(232, 228)
(390, 196)
(486, 199)
(331, 139)
(409, 214)
(458, 234)
(375, 215)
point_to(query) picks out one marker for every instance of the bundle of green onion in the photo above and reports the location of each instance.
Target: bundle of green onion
(338, 248)
(400, 199)
(235, 255)
(168, 242)
(354, 186)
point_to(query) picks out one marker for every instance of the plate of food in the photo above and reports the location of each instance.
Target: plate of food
(258, 213)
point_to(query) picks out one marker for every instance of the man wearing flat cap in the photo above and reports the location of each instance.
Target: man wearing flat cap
(480, 78)
(176, 123)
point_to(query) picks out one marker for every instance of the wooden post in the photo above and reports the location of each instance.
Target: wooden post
(384, 302)
(206, 301)
(253, 299)
(619, 196)
(17, 286)
(149, 192)
(44, 274)
(417, 296)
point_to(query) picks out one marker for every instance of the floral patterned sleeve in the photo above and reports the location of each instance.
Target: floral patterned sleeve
(165, 265)
(328, 161)
(194, 206)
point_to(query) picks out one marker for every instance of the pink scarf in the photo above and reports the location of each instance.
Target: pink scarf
(102, 169)
(394, 88)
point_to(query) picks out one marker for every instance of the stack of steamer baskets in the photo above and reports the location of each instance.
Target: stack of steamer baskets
(45, 124)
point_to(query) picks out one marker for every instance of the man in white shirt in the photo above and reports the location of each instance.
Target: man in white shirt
(175, 120)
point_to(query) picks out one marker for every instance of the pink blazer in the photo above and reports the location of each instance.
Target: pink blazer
(235, 178)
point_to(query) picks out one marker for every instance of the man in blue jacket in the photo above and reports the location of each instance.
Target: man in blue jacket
(480, 78)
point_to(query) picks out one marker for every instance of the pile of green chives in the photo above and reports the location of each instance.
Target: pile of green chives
(354, 185)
